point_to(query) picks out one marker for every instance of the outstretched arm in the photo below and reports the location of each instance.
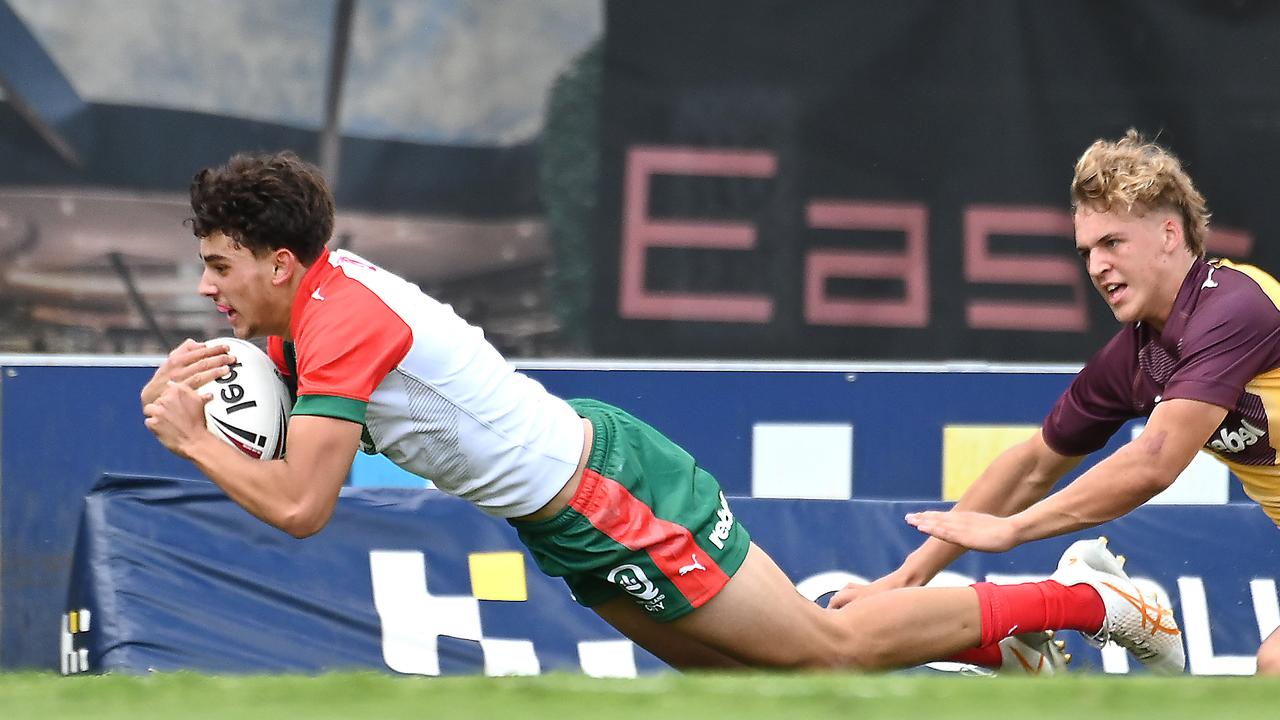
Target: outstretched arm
(1132, 475)
(296, 494)
(1013, 481)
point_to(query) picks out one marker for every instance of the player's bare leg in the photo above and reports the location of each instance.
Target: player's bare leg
(761, 620)
(675, 649)
(1269, 655)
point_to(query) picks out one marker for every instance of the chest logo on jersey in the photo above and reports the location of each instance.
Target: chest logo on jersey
(1233, 441)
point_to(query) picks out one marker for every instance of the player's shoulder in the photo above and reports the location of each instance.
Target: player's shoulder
(1233, 277)
(1238, 293)
(348, 263)
(343, 307)
(337, 289)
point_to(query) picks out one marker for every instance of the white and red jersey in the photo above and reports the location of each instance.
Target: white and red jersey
(434, 396)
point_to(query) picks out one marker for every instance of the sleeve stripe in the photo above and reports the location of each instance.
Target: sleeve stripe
(331, 406)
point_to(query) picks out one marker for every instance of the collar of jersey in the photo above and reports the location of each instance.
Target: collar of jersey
(1183, 305)
(310, 282)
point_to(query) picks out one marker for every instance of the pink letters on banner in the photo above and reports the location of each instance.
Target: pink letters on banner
(1057, 267)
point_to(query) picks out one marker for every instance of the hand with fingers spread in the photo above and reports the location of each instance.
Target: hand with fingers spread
(193, 364)
(176, 418)
(973, 530)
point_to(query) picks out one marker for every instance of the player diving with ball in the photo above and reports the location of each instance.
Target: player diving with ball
(642, 534)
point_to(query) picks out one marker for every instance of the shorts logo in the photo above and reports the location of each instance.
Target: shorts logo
(695, 565)
(632, 579)
(720, 532)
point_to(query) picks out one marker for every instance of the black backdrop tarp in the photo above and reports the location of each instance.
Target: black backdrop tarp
(940, 108)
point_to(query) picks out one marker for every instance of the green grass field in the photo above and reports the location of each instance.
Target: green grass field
(657, 697)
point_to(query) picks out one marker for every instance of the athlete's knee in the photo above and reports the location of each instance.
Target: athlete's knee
(841, 645)
(867, 653)
(812, 641)
(857, 641)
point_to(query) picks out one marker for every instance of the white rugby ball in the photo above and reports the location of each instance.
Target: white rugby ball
(251, 403)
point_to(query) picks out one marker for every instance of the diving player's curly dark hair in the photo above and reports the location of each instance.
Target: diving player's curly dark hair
(265, 202)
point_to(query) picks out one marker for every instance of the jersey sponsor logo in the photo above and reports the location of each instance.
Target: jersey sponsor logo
(633, 580)
(720, 532)
(1234, 441)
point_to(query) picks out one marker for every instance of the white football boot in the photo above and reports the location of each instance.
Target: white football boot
(1033, 653)
(1139, 622)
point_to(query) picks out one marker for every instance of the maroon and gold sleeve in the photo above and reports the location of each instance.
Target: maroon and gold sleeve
(1233, 337)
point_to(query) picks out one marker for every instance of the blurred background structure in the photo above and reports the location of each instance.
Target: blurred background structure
(757, 179)
(425, 114)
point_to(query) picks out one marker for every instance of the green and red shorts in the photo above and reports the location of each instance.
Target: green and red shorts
(645, 521)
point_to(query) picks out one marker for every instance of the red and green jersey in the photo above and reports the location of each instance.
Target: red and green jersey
(433, 395)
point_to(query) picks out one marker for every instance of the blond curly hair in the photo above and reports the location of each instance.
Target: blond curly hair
(1136, 175)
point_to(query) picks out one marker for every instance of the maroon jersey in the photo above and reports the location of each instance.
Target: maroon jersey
(1221, 345)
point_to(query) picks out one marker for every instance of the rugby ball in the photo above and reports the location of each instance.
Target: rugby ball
(251, 403)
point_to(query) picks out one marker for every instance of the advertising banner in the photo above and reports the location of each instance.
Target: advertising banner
(765, 431)
(890, 180)
(170, 575)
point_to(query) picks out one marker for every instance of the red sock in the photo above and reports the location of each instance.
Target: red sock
(987, 656)
(1045, 605)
